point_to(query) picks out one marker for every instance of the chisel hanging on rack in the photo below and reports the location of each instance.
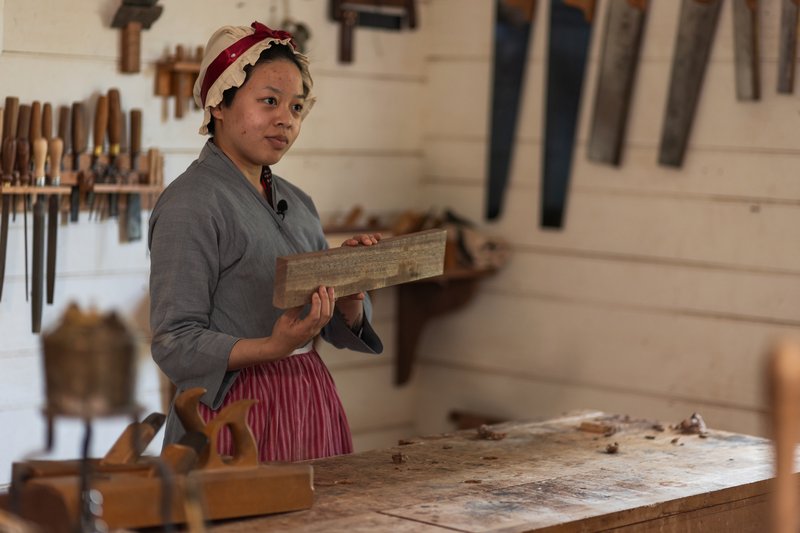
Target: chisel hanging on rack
(570, 33)
(55, 152)
(625, 21)
(39, 209)
(696, 28)
(512, 31)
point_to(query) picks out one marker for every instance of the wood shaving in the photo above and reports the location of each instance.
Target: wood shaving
(658, 427)
(489, 457)
(694, 425)
(487, 434)
(612, 448)
(399, 458)
(650, 437)
(404, 442)
(598, 427)
(472, 481)
(447, 447)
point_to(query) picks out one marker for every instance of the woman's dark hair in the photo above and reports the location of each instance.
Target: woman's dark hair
(274, 52)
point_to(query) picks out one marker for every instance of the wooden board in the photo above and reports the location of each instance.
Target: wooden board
(350, 270)
(542, 476)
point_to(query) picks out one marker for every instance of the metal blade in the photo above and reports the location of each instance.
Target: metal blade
(696, 28)
(512, 35)
(787, 46)
(623, 38)
(745, 47)
(570, 31)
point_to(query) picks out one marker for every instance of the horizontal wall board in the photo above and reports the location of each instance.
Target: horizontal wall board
(717, 232)
(620, 282)
(733, 175)
(710, 360)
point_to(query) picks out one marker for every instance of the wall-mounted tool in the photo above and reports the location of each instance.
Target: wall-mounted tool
(175, 77)
(379, 14)
(132, 17)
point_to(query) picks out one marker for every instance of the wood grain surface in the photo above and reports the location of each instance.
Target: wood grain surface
(542, 476)
(361, 268)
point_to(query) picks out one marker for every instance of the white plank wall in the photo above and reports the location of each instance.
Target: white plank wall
(361, 145)
(665, 287)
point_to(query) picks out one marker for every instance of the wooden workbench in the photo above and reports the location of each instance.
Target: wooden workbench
(544, 476)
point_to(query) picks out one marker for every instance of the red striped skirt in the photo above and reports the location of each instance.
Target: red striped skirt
(298, 415)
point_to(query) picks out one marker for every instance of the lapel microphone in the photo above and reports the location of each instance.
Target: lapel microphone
(281, 208)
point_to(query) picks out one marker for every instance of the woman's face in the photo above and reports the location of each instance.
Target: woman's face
(263, 120)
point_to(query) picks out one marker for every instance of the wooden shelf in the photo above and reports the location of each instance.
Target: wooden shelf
(110, 188)
(31, 189)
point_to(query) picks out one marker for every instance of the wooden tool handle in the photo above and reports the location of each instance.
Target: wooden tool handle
(36, 121)
(79, 135)
(23, 122)
(114, 121)
(11, 112)
(100, 124)
(587, 6)
(23, 160)
(47, 121)
(63, 126)
(136, 133)
(39, 158)
(2, 113)
(9, 158)
(55, 152)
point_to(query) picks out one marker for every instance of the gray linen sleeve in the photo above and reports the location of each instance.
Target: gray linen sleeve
(340, 335)
(184, 255)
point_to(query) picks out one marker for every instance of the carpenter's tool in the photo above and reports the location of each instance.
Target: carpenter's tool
(625, 21)
(570, 32)
(787, 45)
(512, 31)
(9, 158)
(23, 176)
(79, 143)
(746, 50)
(133, 214)
(55, 153)
(696, 28)
(112, 174)
(97, 170)
(132, 17)
(39, 208)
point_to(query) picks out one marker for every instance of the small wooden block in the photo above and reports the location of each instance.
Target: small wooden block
(352, 269)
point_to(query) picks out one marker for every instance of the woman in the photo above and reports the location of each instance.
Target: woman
(215, 234)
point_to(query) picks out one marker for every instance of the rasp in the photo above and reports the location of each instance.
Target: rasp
(39, 209)
(570, 33)
(787, 45)
(625, 22)
(55, 152)
(512, 31)
(745, 49)
(696, 28)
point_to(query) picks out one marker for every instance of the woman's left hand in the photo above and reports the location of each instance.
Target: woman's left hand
(351, 306)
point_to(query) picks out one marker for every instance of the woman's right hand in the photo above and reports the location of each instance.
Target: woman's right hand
(291, 331)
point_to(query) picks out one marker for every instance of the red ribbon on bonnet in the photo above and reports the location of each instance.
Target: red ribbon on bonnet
(228, 56)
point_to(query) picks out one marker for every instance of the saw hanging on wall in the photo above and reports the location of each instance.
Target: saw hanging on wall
(570, 33)
(512, 31)
(696, 28)
(625, 21)
(380, 14)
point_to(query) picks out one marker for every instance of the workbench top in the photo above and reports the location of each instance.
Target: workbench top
(556, 475)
